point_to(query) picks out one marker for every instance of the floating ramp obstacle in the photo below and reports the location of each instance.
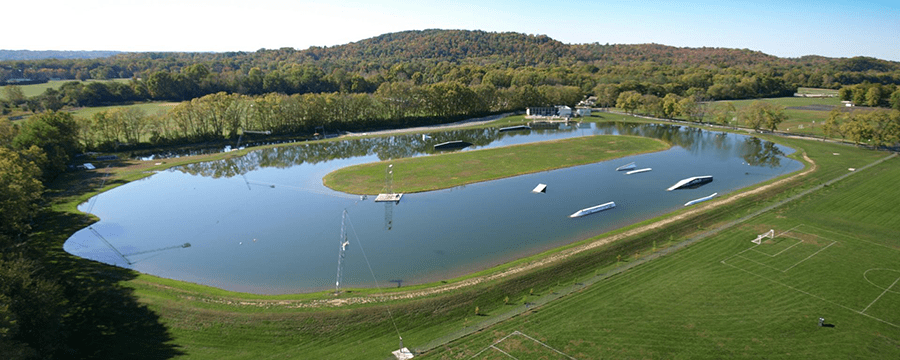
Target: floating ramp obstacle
(691, 182)
(514, 128)
(593, 209)
(628, 166)
(700, 200)
(455, 144)
(540, 188)
(638, 171)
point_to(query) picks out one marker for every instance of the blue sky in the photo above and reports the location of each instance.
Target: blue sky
(781, 28)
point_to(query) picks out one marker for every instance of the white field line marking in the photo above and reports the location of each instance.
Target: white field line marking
(739, 254)
(492, 345)
(779, 253)
(813, 254)
(882, 293)
(517, 332)
(548, 346)
(504, 352)
(751, 248)
(855, 238)
(766, 265)
(815, 296)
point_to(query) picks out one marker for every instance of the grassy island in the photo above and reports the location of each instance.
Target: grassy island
(454, 169)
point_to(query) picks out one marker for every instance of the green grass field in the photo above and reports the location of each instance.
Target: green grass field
(805, 90)
(149, 108)
(454, 169)
(804, 115)
(834, 256)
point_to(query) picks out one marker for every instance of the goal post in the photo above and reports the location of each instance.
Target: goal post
(769, 234)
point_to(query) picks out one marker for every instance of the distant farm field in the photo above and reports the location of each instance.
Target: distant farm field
(149, 108)
(834, 256)
(37, 89)
(816, 91)
(805, 115)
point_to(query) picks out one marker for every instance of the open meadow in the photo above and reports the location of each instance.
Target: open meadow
(804, 115)
(149, 108)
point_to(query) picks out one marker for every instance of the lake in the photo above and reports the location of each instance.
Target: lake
(264, 223)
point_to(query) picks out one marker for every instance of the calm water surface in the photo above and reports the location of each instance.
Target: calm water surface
(264, 223)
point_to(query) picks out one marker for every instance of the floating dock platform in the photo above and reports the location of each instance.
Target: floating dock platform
(455, 144)
(513, 128)
(388, 198)
(548, 123)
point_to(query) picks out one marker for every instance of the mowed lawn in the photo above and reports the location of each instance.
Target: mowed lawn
(455, 169)
(836, 256)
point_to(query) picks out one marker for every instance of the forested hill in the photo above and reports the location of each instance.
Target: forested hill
(428, 47)
(454, 46)
(520, 49)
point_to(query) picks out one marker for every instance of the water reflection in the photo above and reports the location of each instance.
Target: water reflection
(410, 145)
(762, 153)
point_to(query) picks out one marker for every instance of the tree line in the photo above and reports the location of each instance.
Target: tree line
(872, 95)
(32, 302)
(434, 56)
(221, 116)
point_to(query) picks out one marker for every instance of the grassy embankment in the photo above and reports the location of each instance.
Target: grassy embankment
(835, 257)
(207, 323)
(454, 169)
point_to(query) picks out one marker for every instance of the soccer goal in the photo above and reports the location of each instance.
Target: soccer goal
(769, 234)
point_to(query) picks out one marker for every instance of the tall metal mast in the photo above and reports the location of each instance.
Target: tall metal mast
(344, 243)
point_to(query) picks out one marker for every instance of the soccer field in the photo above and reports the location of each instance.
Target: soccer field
(835, 255)
(841, 269)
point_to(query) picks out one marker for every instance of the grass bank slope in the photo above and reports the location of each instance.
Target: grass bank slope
(455, 169)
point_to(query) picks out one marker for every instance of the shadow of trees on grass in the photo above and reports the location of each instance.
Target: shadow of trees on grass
(57, 305)
(102, 318)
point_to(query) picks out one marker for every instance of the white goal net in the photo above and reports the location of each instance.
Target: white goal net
(759, 238)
